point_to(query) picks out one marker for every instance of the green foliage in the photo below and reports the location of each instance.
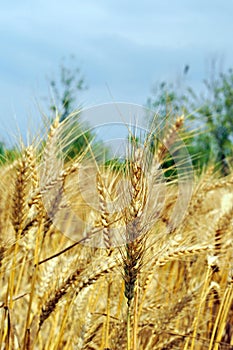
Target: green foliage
(67, 88)
(169, 98)
(7, 154)
(81, 140)
(2, 150)
(212, 113)
(217, 113)
(166, 100)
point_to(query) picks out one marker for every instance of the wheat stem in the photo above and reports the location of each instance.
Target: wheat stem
(128, 329)
(201, 302)
(135, 317)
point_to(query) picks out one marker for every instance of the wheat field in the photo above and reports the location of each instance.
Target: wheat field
(97, 258)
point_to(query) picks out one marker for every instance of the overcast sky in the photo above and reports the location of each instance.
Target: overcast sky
(122, 47)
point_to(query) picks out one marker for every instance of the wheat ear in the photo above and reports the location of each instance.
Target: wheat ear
(169, 139)
(135, 238)
(79, 280)
(105, 219)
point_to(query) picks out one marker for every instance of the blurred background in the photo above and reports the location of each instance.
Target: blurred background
(106, 51)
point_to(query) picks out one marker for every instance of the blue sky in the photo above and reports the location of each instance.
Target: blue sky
(121, 47)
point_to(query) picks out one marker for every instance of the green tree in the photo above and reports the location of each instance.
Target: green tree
(211, 111)
(216, 112)
(67, 88)
(170, 98)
